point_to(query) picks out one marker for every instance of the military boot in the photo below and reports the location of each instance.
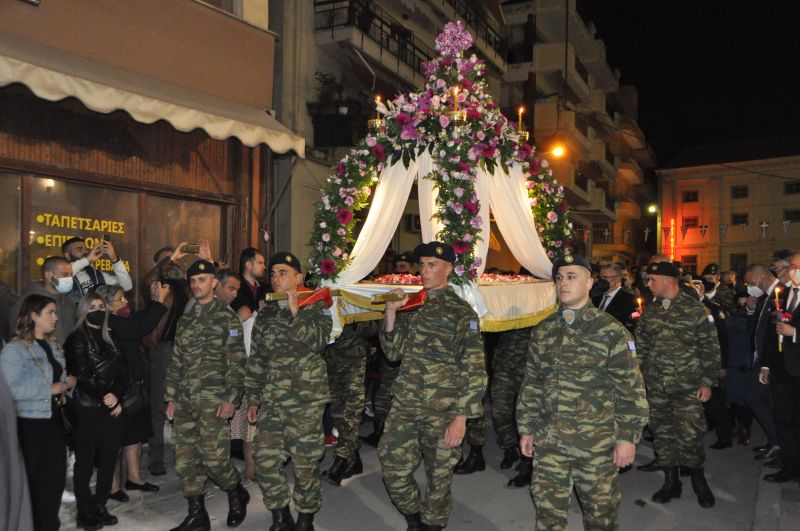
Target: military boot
(704, 495)
(373, 438)
(672, 486)
(510, 456)
(282, 520)
(305, 522)
(473, 463)
(414, 522)
(524, 473)
(345, 469)
(197, 520)
(238, 498)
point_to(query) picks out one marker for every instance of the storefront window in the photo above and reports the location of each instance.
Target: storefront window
(9, 228)
(171, 221)
(60, 210)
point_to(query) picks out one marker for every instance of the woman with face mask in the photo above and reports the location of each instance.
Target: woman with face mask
(96, 405)
(33, 367)
(128, 327)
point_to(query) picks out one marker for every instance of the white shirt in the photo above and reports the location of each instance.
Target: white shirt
(608, 297)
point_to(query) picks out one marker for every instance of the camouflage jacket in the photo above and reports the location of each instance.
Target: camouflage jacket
(443, 369)
(726, 298)
(582, 388)
(512, 349)
(353, 340)
(286, 365)
(208, 359)
(678, 345)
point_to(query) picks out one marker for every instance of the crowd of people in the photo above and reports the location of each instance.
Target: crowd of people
(650, 352)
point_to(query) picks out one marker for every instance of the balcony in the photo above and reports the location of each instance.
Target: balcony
(601, 209)
(595, 60)
(576, 185)
(631, 135)
(630, 171)
(375, 33)
(629, 208)
(550, 24)
(605, 160)
(548, 62)
(547, 121)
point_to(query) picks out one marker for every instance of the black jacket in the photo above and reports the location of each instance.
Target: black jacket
(620, 308)
(99, 367)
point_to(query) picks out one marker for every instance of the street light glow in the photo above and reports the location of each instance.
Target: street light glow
(558, 151)
(652, 209)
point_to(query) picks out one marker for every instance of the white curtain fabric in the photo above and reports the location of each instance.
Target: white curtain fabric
(483, 190)
(427, 199)
(388, 204)
(508, 196)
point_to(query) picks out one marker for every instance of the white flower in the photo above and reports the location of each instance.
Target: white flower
(323, 225)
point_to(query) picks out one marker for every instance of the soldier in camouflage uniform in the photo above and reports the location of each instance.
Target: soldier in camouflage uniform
(717, 292)
(203, 385)
(582, 404)
(287, 386)
(680, 358)
(346, 360)
(509, 370)
(382, 399)
(441, 383)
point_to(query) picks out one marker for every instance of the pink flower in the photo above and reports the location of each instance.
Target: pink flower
(464, 166)
(458, 192)
(471, 207)
(443, 121)
(402, 119)
(337, 252)
(409, 133)
(379, 152)
(467, 83)
(467, 237)
(371, 141)
(327, 266)
(472, 114)
(345, 216)
(461, 247)
(563, 206)
(459, 270)
(341, 232)
(349, 200)
(558, 243)
(326, 237)
(552, 217)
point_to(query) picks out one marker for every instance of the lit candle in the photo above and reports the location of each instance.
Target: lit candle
(377, 112)
(777, 298)
(519, 117)
(639, 303)
(455, 98)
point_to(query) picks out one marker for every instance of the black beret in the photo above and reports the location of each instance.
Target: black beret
(201, 267)
(403, 257)
(666, 269)
(711, 269)
(286, 259)
(568, 260)
(435, 249)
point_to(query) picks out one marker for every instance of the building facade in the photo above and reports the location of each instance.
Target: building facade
(142, 122)
(731, 204)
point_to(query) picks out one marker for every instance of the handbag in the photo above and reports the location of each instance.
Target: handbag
(68, 418)
(135, 397)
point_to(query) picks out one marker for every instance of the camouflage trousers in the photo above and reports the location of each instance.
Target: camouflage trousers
(678, 423)
(476, 430)
(408, 439)
(202, 448)
(594, 478)
(284, 432)
(382, 400)
(346, 370)
(505, 386)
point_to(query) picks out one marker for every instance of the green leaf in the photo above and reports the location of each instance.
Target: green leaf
(406, 158)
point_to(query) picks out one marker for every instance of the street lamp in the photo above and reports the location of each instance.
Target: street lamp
(652, 209)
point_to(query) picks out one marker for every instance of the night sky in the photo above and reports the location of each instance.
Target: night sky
(706, 70)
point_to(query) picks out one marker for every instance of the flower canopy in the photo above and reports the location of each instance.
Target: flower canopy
(459, 143)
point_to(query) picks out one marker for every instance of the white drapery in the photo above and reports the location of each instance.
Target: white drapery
(506, 194)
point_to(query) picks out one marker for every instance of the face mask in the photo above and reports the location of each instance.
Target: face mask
(708, 285)
(124, 312)
(754, 291)
(601, 285)
(96, 317)
(62, 285)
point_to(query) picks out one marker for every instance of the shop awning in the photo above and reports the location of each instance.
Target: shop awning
(54, 75)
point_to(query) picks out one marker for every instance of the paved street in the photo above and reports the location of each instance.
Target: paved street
(483, 502)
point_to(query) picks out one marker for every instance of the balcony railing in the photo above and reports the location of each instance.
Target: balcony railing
(377, 24)
(609, 156)
(581, 71)
(581, 181)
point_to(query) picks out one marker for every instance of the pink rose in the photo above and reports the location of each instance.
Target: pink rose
(402, 119)
(552, 217)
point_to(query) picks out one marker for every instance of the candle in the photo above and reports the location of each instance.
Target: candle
(777, 298)
(519, 117)
(377, 112)
(639, 303)
(455, 98)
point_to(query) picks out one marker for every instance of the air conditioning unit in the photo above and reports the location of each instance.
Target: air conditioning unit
(413, 224)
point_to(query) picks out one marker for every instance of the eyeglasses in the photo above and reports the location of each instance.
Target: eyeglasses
(120, 299)
(609, 278)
